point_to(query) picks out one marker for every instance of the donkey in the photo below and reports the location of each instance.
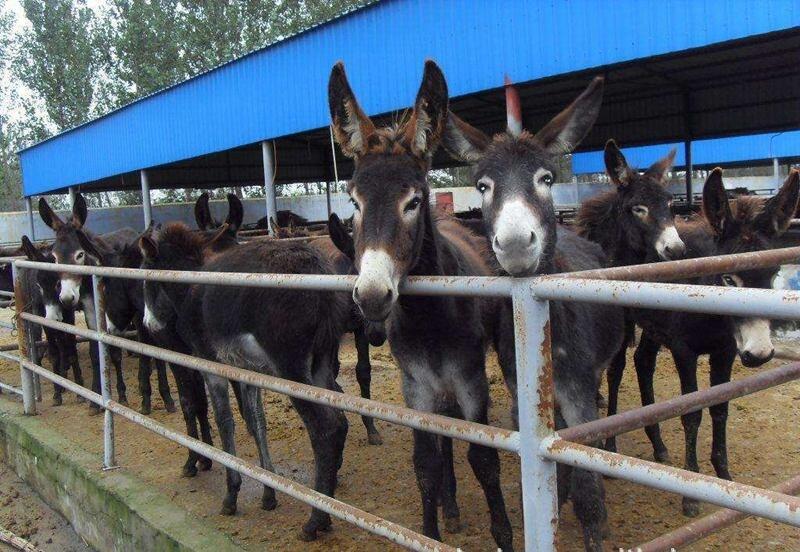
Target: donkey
(287, 333)
(633, 223)
(514, 172)
(40, 287)
(124, 305)
(439, 342)
(75, 291)
(747, 224)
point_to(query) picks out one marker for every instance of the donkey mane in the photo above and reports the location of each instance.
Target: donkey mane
(596, 219)
(183, 238)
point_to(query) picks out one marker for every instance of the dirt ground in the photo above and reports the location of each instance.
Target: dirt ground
(762, 442)
(23, 513)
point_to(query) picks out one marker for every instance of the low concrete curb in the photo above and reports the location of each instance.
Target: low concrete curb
(110, 510)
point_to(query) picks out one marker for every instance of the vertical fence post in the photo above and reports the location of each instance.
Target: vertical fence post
(28, 386)
(269, 182)
(536, 404)
(147, 205)
(31, 227)
(105, 377)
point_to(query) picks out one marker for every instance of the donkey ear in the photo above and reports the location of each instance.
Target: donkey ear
(49, 216)
(31, 251)
(202, 212)
(780, 209)
(463, 141)
(90, 247)
(660, 168)
(425, 128)
(235, 214)
(351, 126)
(79, 211)
(716, 207)
(148, 247)
(616, 165)
(340, 237)
(566, 130)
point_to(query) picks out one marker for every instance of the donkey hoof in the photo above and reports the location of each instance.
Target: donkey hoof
(228, 509)
(123, 400)
(269, 503)
(610, 445)
(307, 536)
(374, 438)
(661, 456)
(204, 463)
(80, 400)
(145, 409)
(170, 407)
(453, 524)
(691, 508)
(57, 401)
(188, 471)
(94, 410)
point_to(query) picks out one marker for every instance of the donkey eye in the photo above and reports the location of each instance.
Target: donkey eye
(729, 280)
(640, 210)
(547, 179)
(484, 185)
(79, 255)
(355, 204)
(413, 204)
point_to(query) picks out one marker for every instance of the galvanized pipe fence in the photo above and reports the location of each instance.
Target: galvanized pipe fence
(537, 443)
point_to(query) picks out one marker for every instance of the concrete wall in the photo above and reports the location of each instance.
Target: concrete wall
(14, 225)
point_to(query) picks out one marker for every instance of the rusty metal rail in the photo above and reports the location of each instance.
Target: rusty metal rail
(536, 442)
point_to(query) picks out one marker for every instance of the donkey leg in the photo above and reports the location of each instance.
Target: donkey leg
(163, 386)
(189, 409)
(145, 390)
(450, 511)
(116, 359)
(218, 388)
(56, 353)
(364, 378)
(473, 398)
(645, 361)
(505, 347)
(253, 414)
(614, 377)
(198, 391)
(721, 364)
(686, 363)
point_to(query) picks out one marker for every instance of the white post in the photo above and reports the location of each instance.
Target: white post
(29, 209)
(25, 351)
(776, 171)
(269, 182)
(72, 194)
(147, 206)
(105, 377)
(535, 402)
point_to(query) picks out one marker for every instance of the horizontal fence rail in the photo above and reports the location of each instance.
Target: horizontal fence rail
(536, 442)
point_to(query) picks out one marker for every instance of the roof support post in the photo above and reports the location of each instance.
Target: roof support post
(269, 182)
(147, 206)
(776, 171)
(328, 197)
(29, 209)
(72, 194)
(687, 153)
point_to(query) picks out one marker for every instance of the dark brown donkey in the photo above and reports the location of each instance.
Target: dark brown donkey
(747, 224)
(439, 342)
(287, 333)
(75, 291)
(634, 224)
(514, 172)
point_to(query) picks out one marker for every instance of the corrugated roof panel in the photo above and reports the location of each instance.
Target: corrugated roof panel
(281, 90)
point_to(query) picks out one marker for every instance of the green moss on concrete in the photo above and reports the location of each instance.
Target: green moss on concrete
(110, 510)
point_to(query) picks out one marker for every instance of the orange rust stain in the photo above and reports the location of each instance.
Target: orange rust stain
(545, 383)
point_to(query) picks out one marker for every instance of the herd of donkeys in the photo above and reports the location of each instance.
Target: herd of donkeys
(439, 343)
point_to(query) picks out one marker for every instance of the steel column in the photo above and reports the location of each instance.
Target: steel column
(687, 153)
(26, 376)
(147, 205)
(269, 182)
(535, 403)
(328, 197)
(31, 227)
(105, 377)
(72, 194)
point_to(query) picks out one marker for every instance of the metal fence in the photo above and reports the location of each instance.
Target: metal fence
(537, 443)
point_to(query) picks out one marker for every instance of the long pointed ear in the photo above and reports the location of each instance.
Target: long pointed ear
(616, 165)
(202, 212)
(49, 216)
(148, 247)
(463, 141)
(716, 207)
(351, 126)
(31, 251)
(425, 128)
(79, 211)
(780, 209)
(566, 130)
(660, 168)
(235, 214)
(90, 247)
(340, 237)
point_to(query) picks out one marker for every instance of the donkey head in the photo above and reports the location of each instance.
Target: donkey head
(514, 172)
(66, 247)
(645, 213)
(388, 188)
(749, 224)
(46, 282)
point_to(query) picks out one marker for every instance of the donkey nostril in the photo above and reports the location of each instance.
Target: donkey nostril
(533, 239)
(496, 244)
(388, 296)
(355, 294)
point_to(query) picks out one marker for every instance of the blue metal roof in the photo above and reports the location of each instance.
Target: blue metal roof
(281, 90)
(718, 151)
